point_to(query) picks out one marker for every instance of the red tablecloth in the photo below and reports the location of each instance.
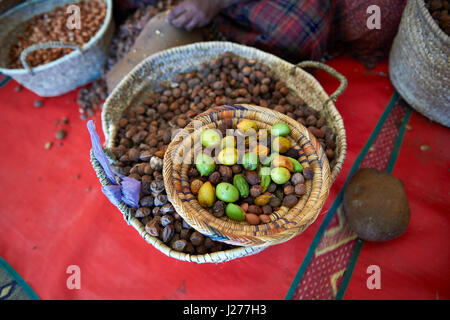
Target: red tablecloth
(54, 215)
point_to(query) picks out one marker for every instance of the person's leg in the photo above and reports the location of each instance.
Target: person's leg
(367, 44)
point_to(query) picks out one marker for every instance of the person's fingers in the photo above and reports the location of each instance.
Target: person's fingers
(181, 20)
(191, 25)
(176, 11)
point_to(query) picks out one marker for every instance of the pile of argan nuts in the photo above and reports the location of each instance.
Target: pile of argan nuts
(146, 130)
(51, 26)
(439, 11)
(89, 98)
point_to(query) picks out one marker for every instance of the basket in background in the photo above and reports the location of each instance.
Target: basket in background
(419, 65)
(72, 70)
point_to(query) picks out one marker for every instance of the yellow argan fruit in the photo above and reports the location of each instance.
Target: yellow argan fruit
(246, 125)
(281, 144)
(228, 156)
(206, 195)
(282, 161)
(263, 199)
(261, 150)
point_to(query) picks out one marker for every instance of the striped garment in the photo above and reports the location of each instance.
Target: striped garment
(292, 29)
(310, 29)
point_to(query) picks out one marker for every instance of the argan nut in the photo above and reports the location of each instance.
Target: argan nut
(297, 178)
(267, 209)
(197, 238)
(308, 173)
(38, 103)
(61, 134)
(142, 212)
(244, 206)
(264, 218)
(252, 219)
(288, 190)
(254, 209)
(290, 201)
(300, 189)
(196, 185)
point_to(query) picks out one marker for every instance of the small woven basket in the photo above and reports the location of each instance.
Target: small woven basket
(161, 67)
(419, 65)
(57, 77)
(285, 223)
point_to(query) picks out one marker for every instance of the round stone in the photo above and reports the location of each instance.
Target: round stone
(376, 206)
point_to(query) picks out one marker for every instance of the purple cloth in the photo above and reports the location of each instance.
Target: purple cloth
(98, 152)
(129, 189)
(113, 193)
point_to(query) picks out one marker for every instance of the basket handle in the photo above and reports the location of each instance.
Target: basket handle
(314, 64)
(45, 45)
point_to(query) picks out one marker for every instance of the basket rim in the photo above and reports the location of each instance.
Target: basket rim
(246, 234)
(431, 23)
(86, 46)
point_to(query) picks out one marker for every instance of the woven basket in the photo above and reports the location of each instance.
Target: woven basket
(419, 65)
(128, 213)
(161, 67)
(285, 223)
(73, 70)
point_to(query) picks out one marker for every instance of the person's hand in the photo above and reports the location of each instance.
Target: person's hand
(191, 14)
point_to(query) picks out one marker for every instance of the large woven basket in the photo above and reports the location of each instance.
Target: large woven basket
(419, 65)
(161, 67)
(75, 69)
(285, 223)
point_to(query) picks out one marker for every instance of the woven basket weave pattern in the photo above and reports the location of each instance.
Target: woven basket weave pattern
(419, 63)
(161, 67)
(286, 223)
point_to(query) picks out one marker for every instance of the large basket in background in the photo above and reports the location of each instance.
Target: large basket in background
(419, 65)
(72, 70)
(285, 223)
(161, 67)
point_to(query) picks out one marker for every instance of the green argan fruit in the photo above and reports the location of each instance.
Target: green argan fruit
(280, 129)
(280, 175)
(234, 212)
(297, 165)
(250, 161)
(210, 138)
(205, 164)
(227, 192)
